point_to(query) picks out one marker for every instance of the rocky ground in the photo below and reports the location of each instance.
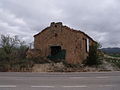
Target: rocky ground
(108, 64)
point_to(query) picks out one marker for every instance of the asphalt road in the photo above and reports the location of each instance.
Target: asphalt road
(60, 81)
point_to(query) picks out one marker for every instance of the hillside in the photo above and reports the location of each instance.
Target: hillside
(114, 50)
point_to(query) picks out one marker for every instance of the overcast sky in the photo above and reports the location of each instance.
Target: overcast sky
(98, 18)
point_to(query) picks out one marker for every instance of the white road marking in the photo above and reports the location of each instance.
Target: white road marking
(7, 86)
(43, 86)
(102, 77)
(105, 85)
(82, 86)
(78, 77)
(108, 85)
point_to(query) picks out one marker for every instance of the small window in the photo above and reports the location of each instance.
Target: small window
(55, 25)
(56, 34)
(87, 45)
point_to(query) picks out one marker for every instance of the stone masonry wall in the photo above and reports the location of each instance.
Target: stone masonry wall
(74, 42)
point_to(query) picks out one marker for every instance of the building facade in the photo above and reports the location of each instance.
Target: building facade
(58, 42)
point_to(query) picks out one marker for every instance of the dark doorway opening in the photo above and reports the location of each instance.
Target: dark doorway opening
(55, 50)
(57, 54)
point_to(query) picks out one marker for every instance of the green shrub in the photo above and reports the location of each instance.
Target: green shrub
(93, 58)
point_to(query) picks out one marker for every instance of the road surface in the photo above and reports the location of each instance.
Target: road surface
(60, 81)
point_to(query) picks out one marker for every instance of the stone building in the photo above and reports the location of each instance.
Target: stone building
(58, 42)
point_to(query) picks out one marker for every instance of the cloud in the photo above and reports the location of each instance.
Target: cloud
(12, 25)
(97, 18)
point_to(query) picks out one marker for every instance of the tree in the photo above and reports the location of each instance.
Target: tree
(8, 43)
(23, 48)
(12, 51)
(93, 58)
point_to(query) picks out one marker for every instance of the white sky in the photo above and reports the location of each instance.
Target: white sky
(98, 18)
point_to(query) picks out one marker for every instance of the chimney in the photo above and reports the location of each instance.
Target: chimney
(57, 24)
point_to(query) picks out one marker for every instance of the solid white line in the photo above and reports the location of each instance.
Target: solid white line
(82, 86)
(43, 86)
(7, 86)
